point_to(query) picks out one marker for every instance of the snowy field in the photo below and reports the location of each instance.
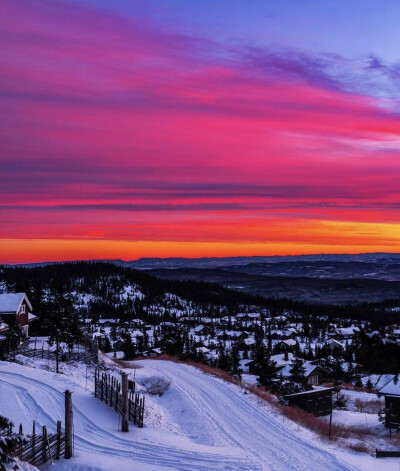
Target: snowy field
(201, 423)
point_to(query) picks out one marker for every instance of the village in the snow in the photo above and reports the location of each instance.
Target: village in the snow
(123, 374)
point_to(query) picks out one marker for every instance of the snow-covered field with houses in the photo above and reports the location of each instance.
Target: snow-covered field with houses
(199, 423)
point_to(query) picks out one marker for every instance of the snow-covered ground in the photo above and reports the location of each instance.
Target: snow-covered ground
(201, 423)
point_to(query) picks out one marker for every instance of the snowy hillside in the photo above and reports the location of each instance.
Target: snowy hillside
(201, 423)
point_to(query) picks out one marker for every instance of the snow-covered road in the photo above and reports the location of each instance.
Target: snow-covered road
(263, 438)
(207, 425)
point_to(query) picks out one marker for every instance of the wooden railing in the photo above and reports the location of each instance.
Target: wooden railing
(110, 391)
(35, 448)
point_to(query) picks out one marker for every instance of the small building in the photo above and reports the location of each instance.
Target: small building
(202, 330)
(287, 344)
(317, 401)
(166, 326)
(391, 393)
(334, 344)
(315, 374)
(154, 352)
(108, 322)
(345, 333)
(247, 366)
(16, 307)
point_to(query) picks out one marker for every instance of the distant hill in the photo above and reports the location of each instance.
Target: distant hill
(385, 266)
(215, 262)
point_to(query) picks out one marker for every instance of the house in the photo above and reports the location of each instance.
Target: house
(314, 373)
(108, 322)
(345, 333)
(232, 335)
(202, 330)
(282, 359)
(247, 366)
(202, 350)
(391, 393)
(166, 326)
(334, 344)
(154, 352)
(316, 401)
(248, 316)
(16, 307)
(248, 344)
(287, 344)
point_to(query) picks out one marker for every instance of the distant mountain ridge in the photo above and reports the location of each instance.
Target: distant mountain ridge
(380, 258)
(216, 262)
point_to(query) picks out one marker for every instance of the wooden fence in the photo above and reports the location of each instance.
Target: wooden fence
(110, 391)
(37, 449)
(40, 448)
(87, 352)
(64, 356)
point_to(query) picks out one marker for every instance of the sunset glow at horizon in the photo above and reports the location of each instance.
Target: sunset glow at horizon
(195, 129)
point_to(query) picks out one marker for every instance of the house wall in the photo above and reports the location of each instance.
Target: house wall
(22, 317)
(393, 405)
(316, 403)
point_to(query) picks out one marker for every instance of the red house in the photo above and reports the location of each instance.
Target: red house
(16, 306)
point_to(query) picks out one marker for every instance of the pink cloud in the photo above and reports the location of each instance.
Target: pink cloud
(106, 119)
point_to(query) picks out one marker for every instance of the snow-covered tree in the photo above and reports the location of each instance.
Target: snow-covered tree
(7, 443)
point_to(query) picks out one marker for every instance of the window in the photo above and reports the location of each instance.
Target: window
(22, 309)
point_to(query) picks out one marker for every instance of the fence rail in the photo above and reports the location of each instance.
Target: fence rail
(109, 390)
(37, 449)
(63, 356)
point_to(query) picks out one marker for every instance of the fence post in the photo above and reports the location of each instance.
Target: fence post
(125, 404)
(44, 443)
(58, 439)
(68, 424)
(33, 438)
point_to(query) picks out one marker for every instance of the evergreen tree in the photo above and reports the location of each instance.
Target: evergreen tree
(63, 324)
(268, 372)
(337, 370)
(14, 335)
(340, 403)
(223, 359)
(235, 363)
(297, 381)
(7, 443)
(128, 347)
(258, 353)
(358, 382)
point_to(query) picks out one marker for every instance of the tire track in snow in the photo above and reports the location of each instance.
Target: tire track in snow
(89, 435)
(252, 428)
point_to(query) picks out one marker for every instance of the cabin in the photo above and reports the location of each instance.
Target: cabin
(166, 326)
(315, 374)
(108, 322)
(232, 335)
(287, 344)
(282, 359)
(202, 330)
(317, 401)
(153, 352)
(391, 393)
(248, 366)
(334, 344)
(16, 307)
(344, 333)
(248, 316)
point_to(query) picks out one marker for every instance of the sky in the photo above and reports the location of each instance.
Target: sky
(198, 128)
